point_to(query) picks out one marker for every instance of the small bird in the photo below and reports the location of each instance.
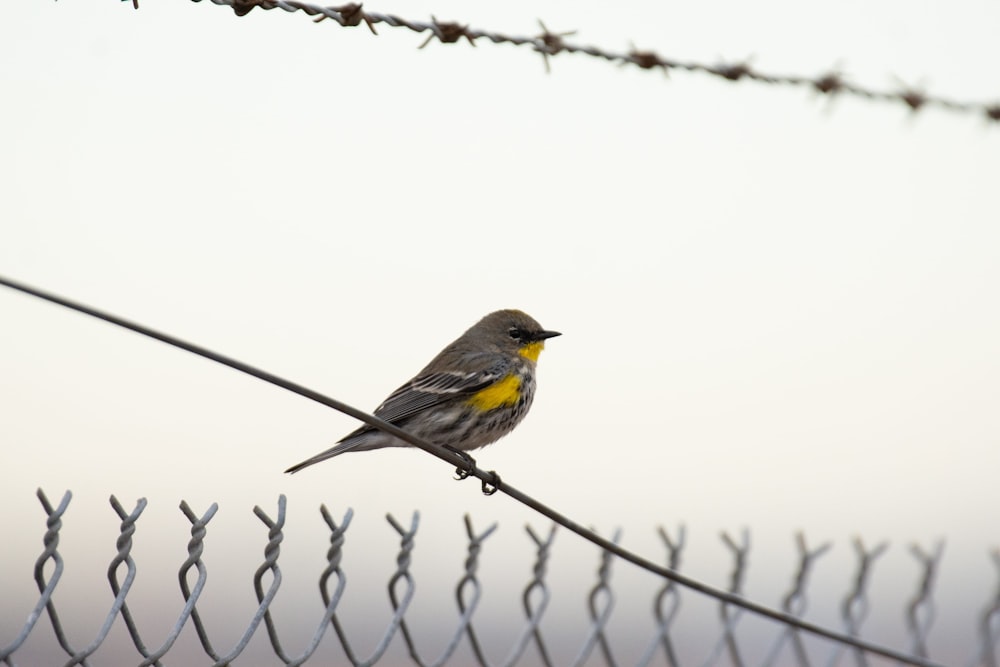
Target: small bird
(471, 394)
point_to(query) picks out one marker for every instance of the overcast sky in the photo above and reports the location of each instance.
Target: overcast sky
(779, 311)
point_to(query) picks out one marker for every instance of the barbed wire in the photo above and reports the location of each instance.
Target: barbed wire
(550, 44)
(469, 592)
(492, 483)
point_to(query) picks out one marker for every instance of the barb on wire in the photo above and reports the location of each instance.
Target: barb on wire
(448, 33)
(453, 459)
(550, 44)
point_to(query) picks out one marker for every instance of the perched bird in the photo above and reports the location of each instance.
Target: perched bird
(471, 394)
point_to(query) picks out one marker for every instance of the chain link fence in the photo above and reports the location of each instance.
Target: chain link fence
(785, 645)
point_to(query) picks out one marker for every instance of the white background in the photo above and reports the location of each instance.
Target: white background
(779, 312)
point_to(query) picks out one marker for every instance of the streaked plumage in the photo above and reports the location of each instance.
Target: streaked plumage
(470, 395)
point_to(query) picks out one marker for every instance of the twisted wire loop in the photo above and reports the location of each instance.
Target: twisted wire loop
(989, 626)
(190, 596)
(124, 544)
(729, 619)
(271, 552)
(920, 610)
(51, 542)
(402, 573)
(333, 556)
(399, 608)
(195, 549)
(466, 610)
(854, 609)
(600, 604)
(549, 44)
(469, 581)
(795, 602)
(533, 612)
(124, 548)
(667, 602)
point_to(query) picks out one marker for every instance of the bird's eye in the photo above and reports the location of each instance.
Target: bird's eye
(514, 333)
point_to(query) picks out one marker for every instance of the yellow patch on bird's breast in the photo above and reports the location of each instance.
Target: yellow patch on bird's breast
(532, 350)
(504, 392)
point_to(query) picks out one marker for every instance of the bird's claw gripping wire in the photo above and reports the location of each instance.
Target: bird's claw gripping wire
(469, 463)
(490, 485)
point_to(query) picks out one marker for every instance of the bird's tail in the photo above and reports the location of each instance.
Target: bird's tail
(359, 441)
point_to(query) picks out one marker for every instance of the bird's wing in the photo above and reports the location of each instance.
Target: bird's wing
(425, 391)
(422, 392)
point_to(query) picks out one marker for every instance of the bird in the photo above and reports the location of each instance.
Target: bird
(475, 391)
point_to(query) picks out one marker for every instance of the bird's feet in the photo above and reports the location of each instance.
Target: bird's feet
(469, 463)
(490, 485)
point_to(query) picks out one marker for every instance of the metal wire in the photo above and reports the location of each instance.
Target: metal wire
(46, 588)
(550, 44)
(795, 602)
(989, 626)
(533, 612)
(920, 611)
(491, 484)
(600, 603)
(854, 609)
(727, 642)
(667, 603)
(600, 599)
(120, 590)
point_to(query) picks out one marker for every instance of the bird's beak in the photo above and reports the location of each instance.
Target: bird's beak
(542, 335)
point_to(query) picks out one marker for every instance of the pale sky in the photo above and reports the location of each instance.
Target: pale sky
(779, 311)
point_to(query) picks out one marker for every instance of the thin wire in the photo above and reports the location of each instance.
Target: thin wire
(486, 477)
(549, 44)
